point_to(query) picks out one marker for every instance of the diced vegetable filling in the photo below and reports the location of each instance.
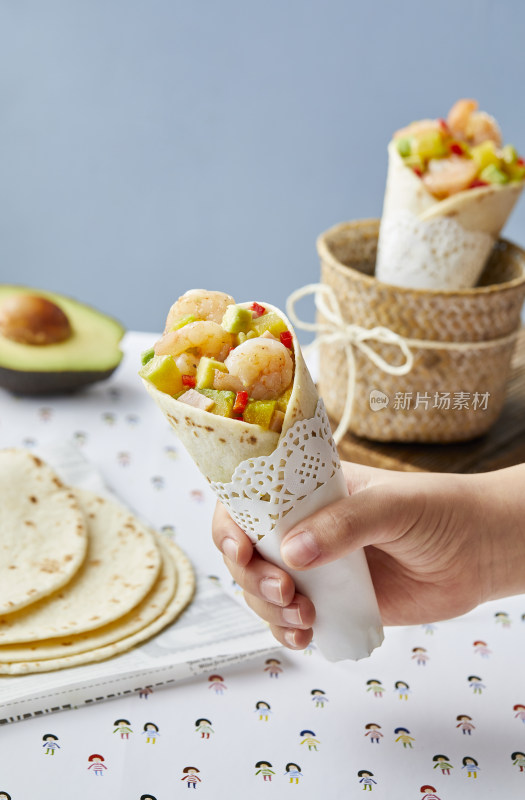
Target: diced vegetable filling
(241, 368)
(462, 152)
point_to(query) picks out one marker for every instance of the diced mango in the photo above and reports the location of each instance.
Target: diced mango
(269, 322)
(163, 373)
(516, 172)
(237, 319)
(428, 145)
(223, 401)
(509, 154)
(283, 400)
(485, 154)
(259, 412)
(415, 161)
(206, 372)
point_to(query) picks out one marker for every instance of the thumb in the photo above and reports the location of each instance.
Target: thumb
(371, 516)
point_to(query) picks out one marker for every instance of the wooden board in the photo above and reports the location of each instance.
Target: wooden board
(502, 446)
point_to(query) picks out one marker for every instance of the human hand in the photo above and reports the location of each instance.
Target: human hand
(437, 545)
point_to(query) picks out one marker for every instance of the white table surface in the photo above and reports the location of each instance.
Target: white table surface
(119, 429)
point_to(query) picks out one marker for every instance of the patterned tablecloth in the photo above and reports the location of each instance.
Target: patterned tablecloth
(437, 711)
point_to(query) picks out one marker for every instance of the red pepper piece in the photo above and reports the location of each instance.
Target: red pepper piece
(477, 183)
(258, 310)
(189, 380)
(520, 161)
(443, 124)
(286, 339)
(418, 171)
(241, 401)
(456, 148)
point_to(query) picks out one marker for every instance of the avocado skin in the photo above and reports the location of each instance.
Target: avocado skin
(49, 383)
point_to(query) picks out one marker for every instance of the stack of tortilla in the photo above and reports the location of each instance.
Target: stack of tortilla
(81, 579)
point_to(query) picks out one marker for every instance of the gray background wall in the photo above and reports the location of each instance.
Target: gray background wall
(151, 147)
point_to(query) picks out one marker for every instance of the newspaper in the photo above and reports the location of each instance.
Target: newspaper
(214, 631)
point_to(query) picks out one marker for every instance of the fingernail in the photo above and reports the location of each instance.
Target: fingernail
(292, 615)
(271, 589)
(289, 637)
(301, 550)
(230, 548)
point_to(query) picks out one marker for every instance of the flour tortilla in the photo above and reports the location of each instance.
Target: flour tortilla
(143, 614)
(419, 234)
(43, 532)
(218, 444)
(121, 566)
(182, 597)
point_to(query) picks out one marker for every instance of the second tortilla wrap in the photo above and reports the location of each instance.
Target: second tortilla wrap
(426, 243)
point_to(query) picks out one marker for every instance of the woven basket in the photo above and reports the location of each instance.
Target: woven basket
(465, 340)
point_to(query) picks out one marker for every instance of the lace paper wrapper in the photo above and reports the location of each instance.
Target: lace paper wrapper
(268, 495)
(430, 254)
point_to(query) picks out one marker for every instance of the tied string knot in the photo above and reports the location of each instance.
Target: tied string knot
(336, 331)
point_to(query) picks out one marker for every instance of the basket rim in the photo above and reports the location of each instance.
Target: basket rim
(326, 255)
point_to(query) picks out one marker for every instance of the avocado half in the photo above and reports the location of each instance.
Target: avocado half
(90, 354)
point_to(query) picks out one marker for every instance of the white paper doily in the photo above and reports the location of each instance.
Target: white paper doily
(264, 489)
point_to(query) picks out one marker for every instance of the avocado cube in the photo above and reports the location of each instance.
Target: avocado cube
(147, 355)
(237, 319)
(492, 174)
(485, 154)
(242, 337)
(205, 372)
(223, 400)
(404, 148)
(163, 373)
(283, 400)
(259, 412)
(182, 322)
(271, 322)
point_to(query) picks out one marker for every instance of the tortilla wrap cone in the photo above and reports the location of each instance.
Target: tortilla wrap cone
(425, 243)
(269, 482)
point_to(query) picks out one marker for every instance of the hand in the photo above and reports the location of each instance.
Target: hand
(437, 545)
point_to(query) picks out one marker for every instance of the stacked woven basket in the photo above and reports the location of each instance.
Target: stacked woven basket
(461, 340)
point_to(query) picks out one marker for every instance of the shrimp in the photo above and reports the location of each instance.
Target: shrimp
(204, 338)
(417, 128)
(265, 367)
(471, 125)
(482, 127)
(187, 363)
(446, 176)
(202, 304)
(459, 116)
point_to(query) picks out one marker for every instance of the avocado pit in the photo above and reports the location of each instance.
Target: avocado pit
(32, 319)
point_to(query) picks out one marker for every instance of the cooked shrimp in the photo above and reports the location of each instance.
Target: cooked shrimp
(459, 116)
(202, 304)
(471, 125)
(446, 176)
(418, 128)
(482, 127)
(187, 363)
(264, 366)
(204, 338)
